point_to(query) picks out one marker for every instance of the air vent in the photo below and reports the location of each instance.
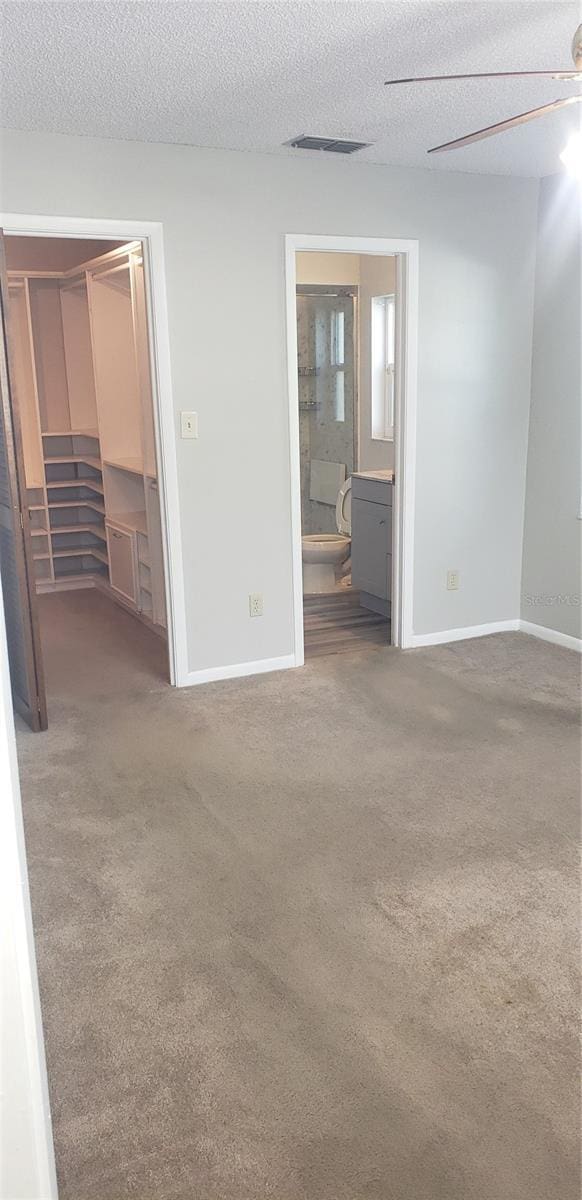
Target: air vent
(330, 145)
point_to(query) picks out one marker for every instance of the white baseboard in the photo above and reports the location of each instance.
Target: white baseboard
(441, 637)
(552, 635)
(260, 667)
(466, 631)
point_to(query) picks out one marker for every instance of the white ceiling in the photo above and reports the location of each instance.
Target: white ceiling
(249, 76)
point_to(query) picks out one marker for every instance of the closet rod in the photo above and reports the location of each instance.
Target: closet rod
(72, 284)
(75, 274)
(110, 271)
(14, 274)
(110, 255)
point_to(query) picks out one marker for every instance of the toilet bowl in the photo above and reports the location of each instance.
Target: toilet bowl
(324, 553)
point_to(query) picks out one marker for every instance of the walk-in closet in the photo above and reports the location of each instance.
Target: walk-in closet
(82, 389)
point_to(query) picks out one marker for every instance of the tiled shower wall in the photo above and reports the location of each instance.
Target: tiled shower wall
(325, 350)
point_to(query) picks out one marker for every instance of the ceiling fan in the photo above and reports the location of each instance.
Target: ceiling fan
(574, 76)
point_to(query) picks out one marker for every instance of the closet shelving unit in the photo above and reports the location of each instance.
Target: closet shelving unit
(83, 388)
(77, 536)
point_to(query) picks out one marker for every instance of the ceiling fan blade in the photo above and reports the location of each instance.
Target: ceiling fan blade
(490, 130)
(575, 76)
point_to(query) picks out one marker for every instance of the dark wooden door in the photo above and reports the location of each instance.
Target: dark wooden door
(16, 562)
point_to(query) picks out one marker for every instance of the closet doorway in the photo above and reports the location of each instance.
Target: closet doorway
(90, 577)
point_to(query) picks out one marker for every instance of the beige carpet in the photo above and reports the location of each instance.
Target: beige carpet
(309, 936)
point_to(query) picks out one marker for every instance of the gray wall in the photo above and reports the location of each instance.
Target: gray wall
(225, 215)
(551, 546)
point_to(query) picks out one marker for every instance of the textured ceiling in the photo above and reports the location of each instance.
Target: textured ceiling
(249, 76)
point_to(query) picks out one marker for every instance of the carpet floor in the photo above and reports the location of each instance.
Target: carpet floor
(311, 935)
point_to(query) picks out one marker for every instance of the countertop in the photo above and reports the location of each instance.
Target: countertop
(383, 476)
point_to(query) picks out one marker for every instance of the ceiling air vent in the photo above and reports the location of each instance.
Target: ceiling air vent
(330, 145)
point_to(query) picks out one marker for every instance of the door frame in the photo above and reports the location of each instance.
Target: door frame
(150, 233)
(32, 706)
(406, 251)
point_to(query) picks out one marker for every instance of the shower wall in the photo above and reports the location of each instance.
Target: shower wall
(327, 399)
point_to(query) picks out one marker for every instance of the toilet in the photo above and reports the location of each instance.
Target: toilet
(324, 553)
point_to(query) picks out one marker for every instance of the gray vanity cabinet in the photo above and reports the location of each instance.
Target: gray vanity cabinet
(372, 542)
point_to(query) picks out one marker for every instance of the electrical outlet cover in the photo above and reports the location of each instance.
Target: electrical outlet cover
(255, 604)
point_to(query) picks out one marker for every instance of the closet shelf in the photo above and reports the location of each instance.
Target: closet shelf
(133, 465)
(134, 521)
(88, 575)
(76, 483)
(89, 433)
(88, 528)
(81, 552)
(87, 459)
(92, 504)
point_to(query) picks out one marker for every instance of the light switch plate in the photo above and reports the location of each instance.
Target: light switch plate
(189, 424)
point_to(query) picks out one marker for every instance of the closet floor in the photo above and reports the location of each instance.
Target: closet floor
(93, 648)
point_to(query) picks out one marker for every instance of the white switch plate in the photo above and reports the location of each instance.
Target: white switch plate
(453, 581)
(189, 424)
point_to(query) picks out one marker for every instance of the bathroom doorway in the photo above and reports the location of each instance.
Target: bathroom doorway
(346, 307)
(352, 328)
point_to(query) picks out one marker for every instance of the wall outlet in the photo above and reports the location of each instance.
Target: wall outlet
(255, 604)
(189, 424)
(453, 581)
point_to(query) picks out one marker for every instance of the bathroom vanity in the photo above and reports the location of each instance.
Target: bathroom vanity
(372, 493)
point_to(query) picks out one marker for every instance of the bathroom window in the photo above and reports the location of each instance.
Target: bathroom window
(337, 359)
(383, 356)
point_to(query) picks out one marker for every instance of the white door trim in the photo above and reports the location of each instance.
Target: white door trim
(27, 1131)
(407, 251)
(151, 234)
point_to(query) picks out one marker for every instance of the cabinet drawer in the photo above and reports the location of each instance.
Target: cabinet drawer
(122, 562)
(379, 491)
(372, 548)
